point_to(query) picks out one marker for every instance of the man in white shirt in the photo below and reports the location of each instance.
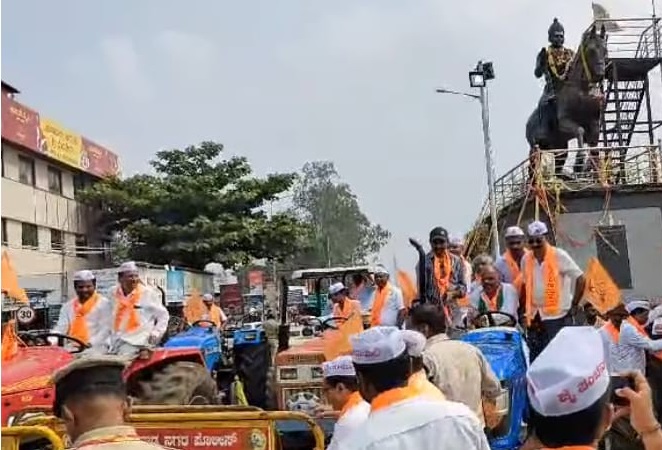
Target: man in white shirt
(508, 264)
(634, 341)
(139, 317)
(401, 417)
(342, 391)
(552, 287)
(87, 317)
(493, 295)
(388, 307)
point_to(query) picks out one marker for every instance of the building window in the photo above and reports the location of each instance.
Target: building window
(4, 231)
(57, 239)
(612, 249)
(81, 246)
(26, 170)
(54, 180)
(80, 183)
(30, 235)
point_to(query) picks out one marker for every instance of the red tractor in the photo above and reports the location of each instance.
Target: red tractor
(176, 376)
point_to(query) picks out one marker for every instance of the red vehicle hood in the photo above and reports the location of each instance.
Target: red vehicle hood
(32, 368)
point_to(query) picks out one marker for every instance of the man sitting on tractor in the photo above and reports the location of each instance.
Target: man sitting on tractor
(91, 400)
(342, 390)
(493, 295)
(86, 317)
(343, 306)
(214, 313)
(140, 319)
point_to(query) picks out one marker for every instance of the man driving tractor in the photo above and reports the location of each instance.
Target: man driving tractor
(85, 317)
(494, 295)
(343, 306)
(214, 313)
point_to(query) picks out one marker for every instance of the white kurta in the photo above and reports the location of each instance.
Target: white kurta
(99, 323)
(349, 422)
(420, 423)
(153, 318)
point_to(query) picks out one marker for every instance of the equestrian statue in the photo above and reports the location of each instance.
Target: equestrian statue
(571, 102)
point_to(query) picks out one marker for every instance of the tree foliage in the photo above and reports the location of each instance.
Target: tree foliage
(198, 208)
(340, 232)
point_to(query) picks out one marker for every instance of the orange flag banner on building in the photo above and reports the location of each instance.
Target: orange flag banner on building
(407, 286)
(600, 290)
(194, 308)
(10, 341)
(10, 281)
(336, 342)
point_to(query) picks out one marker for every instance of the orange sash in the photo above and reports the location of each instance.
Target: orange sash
(614, 333)
(514, 269)
(643, 332)
(78, 327)
(550, 276)
(492, 303)
(442, 272)
(349, 306)
(392, 396)
(353, 400)
(419, 381)
(126, 308)
(378, 305)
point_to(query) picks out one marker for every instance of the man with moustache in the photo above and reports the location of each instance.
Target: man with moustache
(508, 264)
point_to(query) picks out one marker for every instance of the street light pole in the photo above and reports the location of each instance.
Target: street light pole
(489, 168)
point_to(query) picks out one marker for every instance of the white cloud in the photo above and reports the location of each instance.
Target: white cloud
(124, 66)
(192, 56)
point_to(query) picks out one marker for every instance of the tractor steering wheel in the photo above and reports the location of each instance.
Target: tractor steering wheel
(512, 320)
(198, 322)
(61, 338)
(330, 322)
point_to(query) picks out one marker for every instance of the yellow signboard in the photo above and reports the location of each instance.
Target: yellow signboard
(59, 143)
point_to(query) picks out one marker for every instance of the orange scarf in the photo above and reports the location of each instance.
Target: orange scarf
(348, 308)
(354, 400)
(442, 272)
(126, 308)
(78, 327)
(550, 275)
(514, 269)
(492, 302)
(419, 381)
(614, 332)
(643, 332)
(378, 305)
(392, 396)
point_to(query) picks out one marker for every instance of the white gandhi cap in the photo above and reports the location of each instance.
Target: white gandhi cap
(128, 267)
(342, 366)
(414, 341)
(570, 374)
(84, 275)
(537, 229)
(514, 232)
(335, 288)
(637, 304)
(377, 345)
(381, 270)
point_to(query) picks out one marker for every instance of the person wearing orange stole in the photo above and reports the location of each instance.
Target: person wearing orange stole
(418, 379)
(388, 307)
(343, 306)
(634, 340)
(401, 417)
(552, 287)
(88, 316)
(610, 333)
(214, 312)
(341, 389)
(493, 295)
(139, 319)
(509, 263)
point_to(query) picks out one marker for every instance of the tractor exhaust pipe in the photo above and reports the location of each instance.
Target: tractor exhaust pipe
(283, 327)
(420, 270)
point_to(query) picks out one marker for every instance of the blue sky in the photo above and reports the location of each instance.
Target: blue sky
(289, 81)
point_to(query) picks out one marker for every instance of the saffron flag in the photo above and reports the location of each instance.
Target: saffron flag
(407, 286)
(336, 342)
(10, 341)
(10, 280)
(194, 308)
(600, 290)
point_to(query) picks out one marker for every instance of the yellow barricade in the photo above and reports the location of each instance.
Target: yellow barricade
(203, 426)
(13, 437)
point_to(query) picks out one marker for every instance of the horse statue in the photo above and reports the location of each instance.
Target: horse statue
(577, 103)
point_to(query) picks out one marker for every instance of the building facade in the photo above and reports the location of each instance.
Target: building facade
(45, 229)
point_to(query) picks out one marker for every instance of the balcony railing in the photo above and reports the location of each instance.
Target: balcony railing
(634, 38)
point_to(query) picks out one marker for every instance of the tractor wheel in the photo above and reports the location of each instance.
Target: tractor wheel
(179, 383)
(252, 363)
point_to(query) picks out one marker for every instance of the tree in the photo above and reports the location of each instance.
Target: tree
(198, 208)
(340, 232)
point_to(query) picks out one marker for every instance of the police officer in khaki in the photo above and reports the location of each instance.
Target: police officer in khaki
(91, 400)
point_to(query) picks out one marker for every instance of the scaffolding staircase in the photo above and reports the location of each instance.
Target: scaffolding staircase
(634, 51)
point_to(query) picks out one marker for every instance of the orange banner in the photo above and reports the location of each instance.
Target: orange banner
(600, 290)
(10, 281)
(407, 286)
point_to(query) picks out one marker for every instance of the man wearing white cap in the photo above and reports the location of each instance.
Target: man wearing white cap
(343, 306)
(139, 319)
(342, 391)
(400, 416)
(456, 247)
(87, 317)
(508, 264)
(552, 287)
(634, 341)
(214, 313)
(388, 306)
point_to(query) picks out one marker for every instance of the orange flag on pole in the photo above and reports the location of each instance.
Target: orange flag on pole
(10, 280)
(407, 286)
(10, 341)
(600, 290)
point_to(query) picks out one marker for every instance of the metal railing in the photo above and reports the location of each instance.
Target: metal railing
(595, 168)
(634, 37)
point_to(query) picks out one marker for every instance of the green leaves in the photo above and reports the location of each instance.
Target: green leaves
(196, 209)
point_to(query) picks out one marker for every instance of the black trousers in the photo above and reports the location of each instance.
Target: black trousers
(541, 332)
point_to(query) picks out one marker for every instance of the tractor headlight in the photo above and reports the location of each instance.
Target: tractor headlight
(316, 373)
(289, 373)
(249, 337)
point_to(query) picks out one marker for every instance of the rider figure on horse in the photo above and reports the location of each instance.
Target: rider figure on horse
(553, 63)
